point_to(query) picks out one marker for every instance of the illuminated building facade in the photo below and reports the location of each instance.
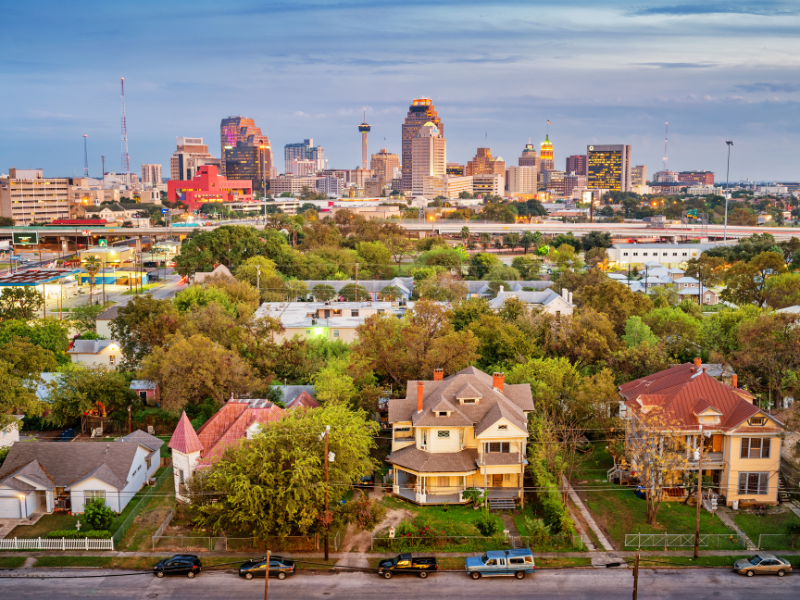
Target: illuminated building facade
(576, 164)
(699, 177)
(455, 169)
(489, 184)
(522, 180)
(546, 160)
(247, 162)
(209, 186)
(529, 158)
(420, 112)
(189, 156)
(429, 150)
(609, 167)
(28, 197)
(485, 164)
(638, 176)
(241, 131)
(447, 186)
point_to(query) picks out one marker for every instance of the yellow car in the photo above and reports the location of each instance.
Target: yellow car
(762, 564)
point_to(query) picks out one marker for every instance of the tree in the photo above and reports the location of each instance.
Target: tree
(502, 272)
(783, 290)
(22, 303)
(332, 386)
(196, 296)
(449, 258)
(746, 282)
(49, 333)
(679, 331)
(464, 233)
(274, 484)
(480, 264)
(596, 239)
(527, 267)
(742, 216)
(189, 370)
(295, 289)
(617, 301)
(485, 239)
(567, 238)
(355, 293)
(465, 312)
(27, 360)
(720, 331)
(391, 293)
(229, 245)
(84, 318)
(376, 260)
(98, 515)
(637, 332)
(498, 213)
(19, 394)
(143, 324)
(323, 292)
(256, 271)
(79, 389)
(399, 248)
(511, 240)
(443, 287)
(500, 343)
(708, 270)
(527, 240)
(92, 265)
(633, 362)
(588, 337)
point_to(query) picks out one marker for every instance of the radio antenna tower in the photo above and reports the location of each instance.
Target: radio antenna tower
(103, 158)
(85, 158)
(666, 139)
(125, 160)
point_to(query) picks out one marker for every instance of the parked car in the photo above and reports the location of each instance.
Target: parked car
(762, 564)
(497, 563)
(180, 564)
(278, 567)
(406, 564)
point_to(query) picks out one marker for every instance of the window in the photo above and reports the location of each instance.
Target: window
(516, 561)
(502, 428)
(443, 481)
(424, 437)
(684, 254)
(90, 495)
(442, 413)
(468, 401)
(753, 483)
(755, 448)
(112, 360)
(644, 253)
(624, 254)
(494, 447)
(148, 461)
(443, 433)
(636, 254)
(757, 421)
(180, 475)
(354, 312)
(143, 396)
(335, 333)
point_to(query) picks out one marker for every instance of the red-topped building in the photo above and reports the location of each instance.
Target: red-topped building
(209, 186)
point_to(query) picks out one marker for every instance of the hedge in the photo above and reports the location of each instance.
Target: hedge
(73, 534)
(556, 514)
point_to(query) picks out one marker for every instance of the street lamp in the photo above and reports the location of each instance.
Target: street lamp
(727, 192)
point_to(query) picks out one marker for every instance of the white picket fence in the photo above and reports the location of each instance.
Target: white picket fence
(56, 544)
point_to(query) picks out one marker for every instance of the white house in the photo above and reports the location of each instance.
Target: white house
(56, 475)
(96, 353)
(10, 433)
(549, 301)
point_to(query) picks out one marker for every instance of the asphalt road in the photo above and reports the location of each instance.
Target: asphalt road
(611, 584)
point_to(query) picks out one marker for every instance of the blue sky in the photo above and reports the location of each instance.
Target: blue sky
(602, 72)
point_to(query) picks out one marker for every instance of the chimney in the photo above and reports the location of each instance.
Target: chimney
(498, 381)
(564, 293)
(420, 392)
(704, 369)
(570, 298)
(697, 363)
(438, 374)
(735, 380)
(501, 289)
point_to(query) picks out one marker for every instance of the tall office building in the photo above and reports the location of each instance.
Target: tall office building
(485, 164)
(151, 174)
(576, 164)
(522, 180)
(305, 150)
(546, 160)
(383, 165)
(190, 155)
(241, 131)
(429, 150)
(456, 169)
(28, 197)
(638, 176)
(420, 112)
(609, 167)
(529, 157)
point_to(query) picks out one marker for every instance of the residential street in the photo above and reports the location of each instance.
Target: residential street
(568, 584)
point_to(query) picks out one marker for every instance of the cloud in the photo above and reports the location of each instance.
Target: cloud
(766, 9)
(676, 65)
(768, 87)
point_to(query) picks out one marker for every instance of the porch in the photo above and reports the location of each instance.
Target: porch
(435, 490)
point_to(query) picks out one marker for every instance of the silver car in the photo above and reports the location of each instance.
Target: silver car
(762, 564)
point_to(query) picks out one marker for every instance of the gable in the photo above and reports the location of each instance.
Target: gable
(501, 428)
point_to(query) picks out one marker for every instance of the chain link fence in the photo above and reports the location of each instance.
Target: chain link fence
(143, 502)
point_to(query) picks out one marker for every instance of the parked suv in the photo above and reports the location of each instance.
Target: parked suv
(497, 563)
(180, 564)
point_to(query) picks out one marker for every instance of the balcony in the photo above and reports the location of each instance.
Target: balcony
(709, 458)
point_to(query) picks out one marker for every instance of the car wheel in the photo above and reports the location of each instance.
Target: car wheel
(475, 575)
(387, 575)
(160, 574)
(519, 574)
(281, 576)
(190, 574)
(248, 576)
(749, 573)
(423, 575)
(781, 573)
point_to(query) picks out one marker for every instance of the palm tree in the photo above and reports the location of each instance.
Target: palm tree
(92, 266)
(485, 239)
(465, 233)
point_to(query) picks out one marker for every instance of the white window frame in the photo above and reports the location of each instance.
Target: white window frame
(762, 488)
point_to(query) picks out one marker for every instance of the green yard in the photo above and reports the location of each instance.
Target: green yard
(44, 525)
(11, 562)
(773, 528)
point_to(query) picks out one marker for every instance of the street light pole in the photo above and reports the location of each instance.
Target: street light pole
(727, 192)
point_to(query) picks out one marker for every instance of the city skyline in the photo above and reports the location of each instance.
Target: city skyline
(603, 74)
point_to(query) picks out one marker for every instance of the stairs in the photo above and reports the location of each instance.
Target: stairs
(502, 504)
(783, 495)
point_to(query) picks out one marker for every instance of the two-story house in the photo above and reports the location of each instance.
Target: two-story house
(741, 443)
(468, 430)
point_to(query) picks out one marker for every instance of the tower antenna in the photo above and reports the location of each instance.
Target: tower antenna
(125, 160)
(85, 158)
(103, 158)
(666, 139)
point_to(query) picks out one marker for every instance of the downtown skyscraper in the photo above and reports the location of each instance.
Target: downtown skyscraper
(246, 152)
(420, 112)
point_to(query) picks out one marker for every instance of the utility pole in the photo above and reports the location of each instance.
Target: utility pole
(727, 192)
(266, 576)
(636, 576)
(699, 496)
(356, 282)
(130, 427)
(258, 278)
(327, 525)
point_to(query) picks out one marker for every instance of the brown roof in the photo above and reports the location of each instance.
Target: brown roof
(428, 462)
(110, 313)
(184, 439)
(501, 458)
(229, 426)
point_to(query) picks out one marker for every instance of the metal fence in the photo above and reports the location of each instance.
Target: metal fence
(165, 523)
(206, 544)
(143, 501)
(56, 544)
(778, 541)
(709, 541)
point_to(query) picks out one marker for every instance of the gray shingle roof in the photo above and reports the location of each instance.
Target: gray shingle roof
(426, 462)
(90, 346)
(143, 438)
(109, 313)
(538, 298)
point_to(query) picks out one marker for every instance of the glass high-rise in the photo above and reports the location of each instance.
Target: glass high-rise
(305, 150)
(246, 152)
(608, 167)
(420, 112)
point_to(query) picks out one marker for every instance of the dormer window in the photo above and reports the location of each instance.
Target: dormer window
(758, 421)
(469, 401)
(502, 428)
(441, 413)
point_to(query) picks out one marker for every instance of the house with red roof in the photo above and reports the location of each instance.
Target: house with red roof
(741, 444)
(238, 420)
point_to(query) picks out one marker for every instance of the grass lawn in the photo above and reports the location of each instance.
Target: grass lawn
(144, 289)
(561, 563)
(754, 525)
(11, 562)
(702, 561)
(44, 525)
(147, 521)
(619, 511)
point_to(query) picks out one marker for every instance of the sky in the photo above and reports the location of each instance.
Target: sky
(602, 72)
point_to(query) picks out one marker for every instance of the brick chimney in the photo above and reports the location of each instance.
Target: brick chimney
(498, 381)
(697, 362)
(420, 393)
(735, 380)
(438, 374)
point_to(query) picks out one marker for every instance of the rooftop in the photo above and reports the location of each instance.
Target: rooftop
(36, 277)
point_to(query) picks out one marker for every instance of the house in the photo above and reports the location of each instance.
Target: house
(710, 296)
(468, 430)
(53, 475)
(219, 270)
(103, 321)
(548, 300)
(95, 353)
(373, 286)
(236, 421)
(290, 393)
(741, 443)
(669, 255)
(10, 432)
(146, 390)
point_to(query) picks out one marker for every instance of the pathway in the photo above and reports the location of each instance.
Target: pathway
(599, 560)
(723, 515)
(8, 525)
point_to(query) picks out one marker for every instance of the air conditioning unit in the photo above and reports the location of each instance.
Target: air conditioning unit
(151, 482)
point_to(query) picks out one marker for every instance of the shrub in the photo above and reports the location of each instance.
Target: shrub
(556, 515)
(473, 495)
(488, 524)
(97, 514)
(535, 527)
(364, 513)
(72, 534)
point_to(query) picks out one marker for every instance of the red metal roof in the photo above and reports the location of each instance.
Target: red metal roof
(229, 426)
(303, 400)
(185, 439)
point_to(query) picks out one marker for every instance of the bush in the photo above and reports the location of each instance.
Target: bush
(488, 524)
(72, 534)
(364, 513)
(535, 527)
(473, 495)
(97, 514)
(556, 515)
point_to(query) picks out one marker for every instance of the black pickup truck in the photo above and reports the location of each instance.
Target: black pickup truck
(405, 563)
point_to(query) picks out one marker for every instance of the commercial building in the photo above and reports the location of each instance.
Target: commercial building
(209, 186)
(638, 178)
(485, 164)
(330, 185)
(668, 255)
(455, 169)
(609, 167)
(246, 152)
(666, 177)
(704, 190)
(699, 177)
(546, 157)
(573, 181)
(385, 165)
(489, 184)
(420, 113)
(305, 150)
(429, 152)
(292, 184)
(447, 186)
(151, 174)
(522, 180)
(576, 164)
(27, 196)
(529, 158)
(190, 155)
(302, 168)
(553, 181)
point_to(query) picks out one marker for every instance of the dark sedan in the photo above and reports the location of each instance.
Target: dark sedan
(278, 567)
(180, 564)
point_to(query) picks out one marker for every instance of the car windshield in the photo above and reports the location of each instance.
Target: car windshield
(484, 558)
(754, 560)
